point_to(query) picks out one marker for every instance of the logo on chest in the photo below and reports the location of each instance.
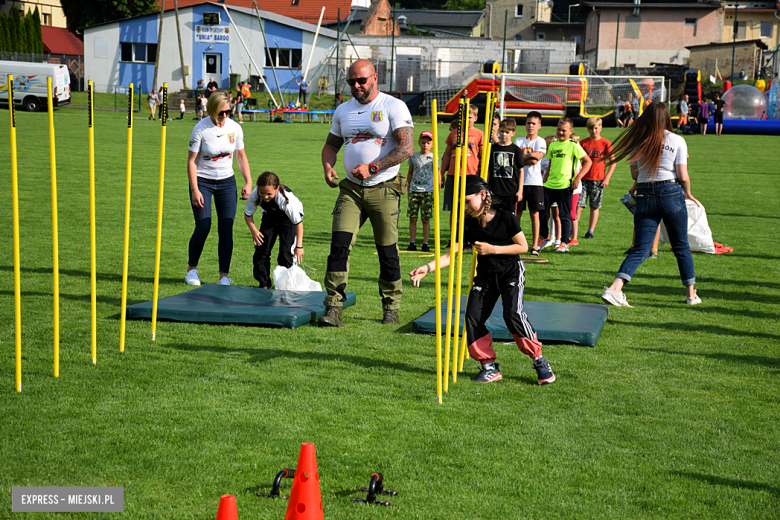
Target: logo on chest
(376, 117)
(232, 138)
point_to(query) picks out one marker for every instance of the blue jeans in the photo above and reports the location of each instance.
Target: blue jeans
(653, 204)
(225, 200)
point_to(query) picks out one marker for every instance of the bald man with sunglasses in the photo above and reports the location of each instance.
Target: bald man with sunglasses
(377, 134)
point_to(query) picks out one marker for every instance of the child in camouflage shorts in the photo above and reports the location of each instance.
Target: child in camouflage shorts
(420, 184)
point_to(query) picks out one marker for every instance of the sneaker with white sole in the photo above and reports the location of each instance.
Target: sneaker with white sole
(543, 371)
(562, 248)
(225, 281)
(544, 243)
(616, 298)
(693, 301)
(488, 373)
(191, 278)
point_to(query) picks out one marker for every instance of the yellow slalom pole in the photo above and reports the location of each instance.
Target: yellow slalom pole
(437, 248)
(460, 220)
(487, 142)
(451, 273)
(123, 318)
(92, 223)
(164, 117)
(15, 204)
(54, 231)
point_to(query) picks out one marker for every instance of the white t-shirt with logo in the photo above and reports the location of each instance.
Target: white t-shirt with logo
(284, 200)
(674, 151)
(532, 175)
(215, 147)
(367, 131)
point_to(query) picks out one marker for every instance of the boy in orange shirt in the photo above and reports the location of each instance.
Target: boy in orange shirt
(473, 158)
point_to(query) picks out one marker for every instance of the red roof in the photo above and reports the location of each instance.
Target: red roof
(304, 10)
(58, 40)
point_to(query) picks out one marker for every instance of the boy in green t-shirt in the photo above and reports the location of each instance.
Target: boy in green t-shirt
(560, 180)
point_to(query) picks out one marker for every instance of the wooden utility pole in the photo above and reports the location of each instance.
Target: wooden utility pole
(159, 44)
(181, 52)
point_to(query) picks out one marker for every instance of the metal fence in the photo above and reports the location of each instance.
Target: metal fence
(74, 63)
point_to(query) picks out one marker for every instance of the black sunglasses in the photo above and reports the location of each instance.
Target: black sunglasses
(224, 113)
(360, 81)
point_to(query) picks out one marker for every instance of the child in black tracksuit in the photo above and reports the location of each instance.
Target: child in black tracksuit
(498, 240)
(282, 218)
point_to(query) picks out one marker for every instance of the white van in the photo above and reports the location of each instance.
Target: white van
(30, 84)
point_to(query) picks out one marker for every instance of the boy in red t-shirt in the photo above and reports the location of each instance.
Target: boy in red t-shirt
(594, 182)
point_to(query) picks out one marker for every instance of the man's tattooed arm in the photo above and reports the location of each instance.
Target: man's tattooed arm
(404, 136)
(334, 142)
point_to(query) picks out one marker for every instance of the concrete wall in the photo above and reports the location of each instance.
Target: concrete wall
(517, 27)
(707, 58)
(663, 36)
(441, 62)
(752, 26)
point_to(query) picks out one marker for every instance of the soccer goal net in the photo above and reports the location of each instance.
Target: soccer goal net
(554, 95)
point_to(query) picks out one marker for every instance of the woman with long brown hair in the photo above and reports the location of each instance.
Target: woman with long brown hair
(658, 159)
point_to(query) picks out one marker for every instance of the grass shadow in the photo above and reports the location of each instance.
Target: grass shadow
(730, 482)
(735, 358)
(706, 329)
(86, 274)
(261, 355)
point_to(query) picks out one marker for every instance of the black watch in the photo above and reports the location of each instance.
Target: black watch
(373, 169)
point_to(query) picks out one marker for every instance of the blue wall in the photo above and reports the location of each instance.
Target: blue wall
(138, 30)
(287, 38)
(199, 49)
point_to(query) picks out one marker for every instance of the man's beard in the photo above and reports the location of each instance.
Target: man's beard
(364, 97)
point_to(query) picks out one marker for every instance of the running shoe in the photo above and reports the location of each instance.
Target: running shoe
(543, 371)
(693, 301)
(616, 298)
(574, 242)
(545, 243)
(562, 248)
(225, 281)
(191, 278)
(652, 255)
(588, 235)
(412, 247)
(425, 248)
(488, 373)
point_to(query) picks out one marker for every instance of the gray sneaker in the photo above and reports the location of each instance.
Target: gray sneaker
(331, 318)
(390, 317)
(616, 298)
(488, 373)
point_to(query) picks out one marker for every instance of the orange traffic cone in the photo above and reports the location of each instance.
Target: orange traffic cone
(305, 498)
(227, 508)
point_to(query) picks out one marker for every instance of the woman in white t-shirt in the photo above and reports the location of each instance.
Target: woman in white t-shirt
(659, 164)
(214, 141)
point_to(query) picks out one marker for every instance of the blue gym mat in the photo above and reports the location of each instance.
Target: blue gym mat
(578, 323)
(211, 303)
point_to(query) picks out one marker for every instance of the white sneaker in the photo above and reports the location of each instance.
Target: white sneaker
(225, 281)
(191, 278)
(693, 301)
(616, 298)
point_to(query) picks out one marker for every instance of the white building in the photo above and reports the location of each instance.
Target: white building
(123, 51)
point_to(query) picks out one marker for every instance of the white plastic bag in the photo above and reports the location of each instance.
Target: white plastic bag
(699, 233)
(294, 279)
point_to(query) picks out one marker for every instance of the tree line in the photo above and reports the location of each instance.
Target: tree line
(21, 33)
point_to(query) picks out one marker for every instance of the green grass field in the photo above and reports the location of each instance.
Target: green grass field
(674, 414)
